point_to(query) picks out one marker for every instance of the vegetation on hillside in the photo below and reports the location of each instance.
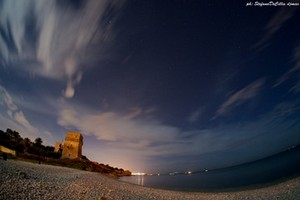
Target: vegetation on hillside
(13, 140)
(36, 151)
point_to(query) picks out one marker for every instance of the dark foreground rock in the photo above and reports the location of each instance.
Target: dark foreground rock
(23, 180)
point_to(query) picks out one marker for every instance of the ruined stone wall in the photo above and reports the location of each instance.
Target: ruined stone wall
(72, 147)
(58, 146)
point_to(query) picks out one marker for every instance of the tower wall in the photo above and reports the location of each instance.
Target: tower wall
(72, 147)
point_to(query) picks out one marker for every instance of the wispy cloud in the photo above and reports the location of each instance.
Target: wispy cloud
(15, 114)
(295, 88)
(240, 97)
(63, 35)
(274, 25)
(195, 115)
(284, 110)
(292, 71)
(113, 127)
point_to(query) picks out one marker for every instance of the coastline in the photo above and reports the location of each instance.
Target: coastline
(21, 180)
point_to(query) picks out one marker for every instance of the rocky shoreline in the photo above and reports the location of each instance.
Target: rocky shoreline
(24, 180)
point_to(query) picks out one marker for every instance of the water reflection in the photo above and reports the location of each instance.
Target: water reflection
(140, 180)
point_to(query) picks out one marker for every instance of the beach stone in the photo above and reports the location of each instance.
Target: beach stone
(24, 180)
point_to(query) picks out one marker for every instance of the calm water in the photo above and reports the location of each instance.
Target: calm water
(280, 166)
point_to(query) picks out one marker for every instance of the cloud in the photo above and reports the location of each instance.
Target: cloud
(15, 114)
(195, 115)
(6, 100)
(129, 136)
(149, 137)
(274, 25)
(21, 119)
(64, 36)
(295, 88)
(284, 110)
(131, 133)
(112, 127)
(70, 91)
(291, 72)
(240, 97)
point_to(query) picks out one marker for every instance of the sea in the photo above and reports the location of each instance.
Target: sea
(271, 170)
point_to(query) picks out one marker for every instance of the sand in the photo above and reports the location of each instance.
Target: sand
(24, 180)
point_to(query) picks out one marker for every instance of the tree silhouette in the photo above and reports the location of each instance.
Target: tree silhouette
(38, 141)
(26, 142)
(13, 140)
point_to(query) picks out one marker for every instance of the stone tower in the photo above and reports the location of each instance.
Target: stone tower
(72, 147)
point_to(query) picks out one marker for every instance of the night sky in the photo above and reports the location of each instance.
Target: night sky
(153, 86)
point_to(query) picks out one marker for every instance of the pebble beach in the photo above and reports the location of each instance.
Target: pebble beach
(25, 180)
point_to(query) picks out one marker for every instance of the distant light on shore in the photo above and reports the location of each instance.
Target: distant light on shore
(138, 174)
